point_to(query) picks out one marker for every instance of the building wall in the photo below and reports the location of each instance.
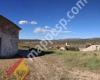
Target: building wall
(9, 43)
(92, 48)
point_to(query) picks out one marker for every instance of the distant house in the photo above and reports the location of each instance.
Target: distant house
(92, 48)
(9, 36)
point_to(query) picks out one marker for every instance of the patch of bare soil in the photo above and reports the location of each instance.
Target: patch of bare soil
(6, 63)
(52, 68)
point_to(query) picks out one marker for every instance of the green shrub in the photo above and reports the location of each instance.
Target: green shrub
(70, 48)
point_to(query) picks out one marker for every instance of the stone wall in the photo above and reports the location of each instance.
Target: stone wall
(9, 43)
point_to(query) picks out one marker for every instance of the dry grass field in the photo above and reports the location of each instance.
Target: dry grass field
(60, 65)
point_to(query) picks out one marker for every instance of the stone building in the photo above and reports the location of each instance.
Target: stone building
(91, 48)
(9, 36)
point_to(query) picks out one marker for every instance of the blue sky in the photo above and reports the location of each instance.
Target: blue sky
(33, 15)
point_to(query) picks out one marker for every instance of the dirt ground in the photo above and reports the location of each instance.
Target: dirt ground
(51, 68)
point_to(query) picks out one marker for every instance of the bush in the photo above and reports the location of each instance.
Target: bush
(70, 48)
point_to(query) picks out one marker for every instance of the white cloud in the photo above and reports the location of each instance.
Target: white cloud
(42, 30)
(39, 30)
(23, 22)
(33, 22)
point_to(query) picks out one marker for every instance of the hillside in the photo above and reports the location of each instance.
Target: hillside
(73, 42)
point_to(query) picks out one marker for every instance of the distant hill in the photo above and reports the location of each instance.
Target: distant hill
(61, 42)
